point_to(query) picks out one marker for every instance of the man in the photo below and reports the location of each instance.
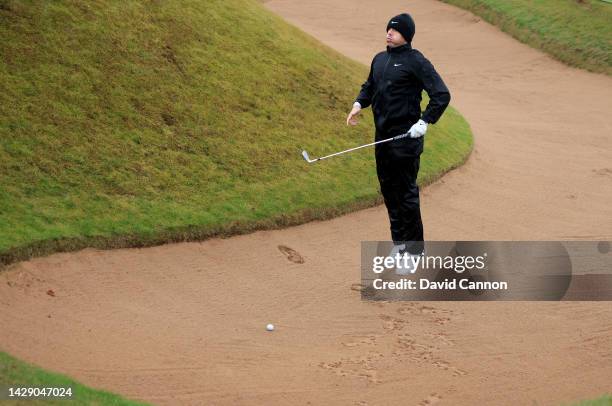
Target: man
(393, 89)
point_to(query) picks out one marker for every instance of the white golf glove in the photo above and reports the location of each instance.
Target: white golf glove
(418, 130)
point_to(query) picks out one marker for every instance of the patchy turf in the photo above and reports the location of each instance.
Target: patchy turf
(576, 32)
(603, 401)
(19, 374)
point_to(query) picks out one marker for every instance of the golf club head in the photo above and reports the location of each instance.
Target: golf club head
(306, 157)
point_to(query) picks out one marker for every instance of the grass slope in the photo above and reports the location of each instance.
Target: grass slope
(136, 123)
(19, 374)
(576, 32)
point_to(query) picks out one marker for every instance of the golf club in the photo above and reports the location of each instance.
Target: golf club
(397, 137)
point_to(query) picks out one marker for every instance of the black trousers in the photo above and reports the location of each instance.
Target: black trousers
(397, 167)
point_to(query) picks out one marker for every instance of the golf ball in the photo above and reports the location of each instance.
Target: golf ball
(270, 327)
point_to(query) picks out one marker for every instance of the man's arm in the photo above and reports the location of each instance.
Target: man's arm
(367, 89)
(364, 99)
(439, 96)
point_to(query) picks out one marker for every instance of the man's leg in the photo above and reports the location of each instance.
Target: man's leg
(406, 171)
(388, 186)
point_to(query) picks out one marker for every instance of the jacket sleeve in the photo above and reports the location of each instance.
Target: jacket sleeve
(367, 90)
(439, 96)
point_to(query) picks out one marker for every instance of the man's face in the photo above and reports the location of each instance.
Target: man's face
(394, 38)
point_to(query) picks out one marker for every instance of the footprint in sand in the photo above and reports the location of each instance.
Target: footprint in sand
(23, 280)
(431, 400)
(415, 308)
(447, 367)
(357, 368)
(358, 287)
(441, 320)
(291, 254)
(459, 372)
(358, 341)
(442, 337)
(437, 315)
(392, 323)
(603, 172)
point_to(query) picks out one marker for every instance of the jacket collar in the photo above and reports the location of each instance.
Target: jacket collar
(399, 49)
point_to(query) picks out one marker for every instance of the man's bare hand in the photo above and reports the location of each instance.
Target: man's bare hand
(352, 118)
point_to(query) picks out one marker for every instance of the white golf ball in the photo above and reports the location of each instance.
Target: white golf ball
(270, 327)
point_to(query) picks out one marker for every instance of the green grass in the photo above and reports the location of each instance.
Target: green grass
(603, 401)
(134, 124)
(17, 373)
(576, 32)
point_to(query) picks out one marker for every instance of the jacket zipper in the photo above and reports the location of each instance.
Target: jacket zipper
(385, 68)
(383, 76)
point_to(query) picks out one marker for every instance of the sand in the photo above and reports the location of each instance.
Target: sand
(185, 323)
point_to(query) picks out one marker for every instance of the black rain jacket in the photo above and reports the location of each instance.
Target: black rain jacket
(393, 89)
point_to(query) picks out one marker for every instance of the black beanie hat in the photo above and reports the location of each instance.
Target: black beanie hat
(404, 24)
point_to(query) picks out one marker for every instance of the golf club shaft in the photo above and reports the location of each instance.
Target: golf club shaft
(363, 146)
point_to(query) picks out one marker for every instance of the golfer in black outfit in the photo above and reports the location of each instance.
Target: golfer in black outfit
(393, 89)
